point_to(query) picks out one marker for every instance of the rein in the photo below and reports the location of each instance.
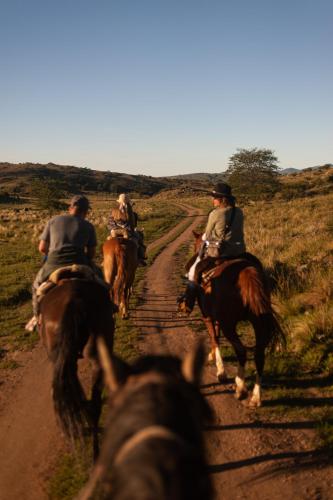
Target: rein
(153, 431)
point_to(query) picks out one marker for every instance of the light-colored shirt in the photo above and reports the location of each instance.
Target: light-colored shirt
(233, 240)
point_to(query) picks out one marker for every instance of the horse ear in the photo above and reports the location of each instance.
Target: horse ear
(193, 363)
(115, 370)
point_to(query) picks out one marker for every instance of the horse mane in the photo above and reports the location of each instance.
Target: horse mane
(153, 445)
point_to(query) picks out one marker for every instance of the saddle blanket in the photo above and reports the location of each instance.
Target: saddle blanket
(74, 271)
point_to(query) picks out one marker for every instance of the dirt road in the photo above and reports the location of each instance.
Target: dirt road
(249, 458)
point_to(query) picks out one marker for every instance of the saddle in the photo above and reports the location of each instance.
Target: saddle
(120, 232)
(74, 271)
(210, 268)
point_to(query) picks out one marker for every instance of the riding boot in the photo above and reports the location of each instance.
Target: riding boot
(142, 255)
(32, 323)
(186, 301)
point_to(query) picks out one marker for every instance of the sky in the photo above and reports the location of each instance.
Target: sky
(164, 87)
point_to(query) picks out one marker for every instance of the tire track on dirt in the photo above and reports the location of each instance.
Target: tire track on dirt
(249, 458)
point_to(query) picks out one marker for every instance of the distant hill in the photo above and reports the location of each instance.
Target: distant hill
(16, 180)
(291, 170)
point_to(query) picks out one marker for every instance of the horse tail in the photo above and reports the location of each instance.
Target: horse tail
(277, 338)
(256, 297)
(68, 396)
(110, 268)
(253, 292)
(121, 276)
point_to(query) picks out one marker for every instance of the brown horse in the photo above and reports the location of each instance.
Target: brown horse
(153, 445)
(120, 263)
(237, 291)
(74, 315)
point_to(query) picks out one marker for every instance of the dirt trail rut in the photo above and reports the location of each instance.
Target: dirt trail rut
(249, 458)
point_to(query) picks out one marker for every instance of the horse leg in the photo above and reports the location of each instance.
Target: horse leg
(96, 403)
(215, 354)
(259, 358)
(240, 351)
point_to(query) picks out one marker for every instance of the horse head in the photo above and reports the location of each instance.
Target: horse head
(156, 417)
(197, 241)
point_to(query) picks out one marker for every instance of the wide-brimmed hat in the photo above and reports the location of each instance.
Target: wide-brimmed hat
(222, 190)
(80, 201)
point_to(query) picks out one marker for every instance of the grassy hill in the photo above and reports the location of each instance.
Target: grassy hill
(16, 180)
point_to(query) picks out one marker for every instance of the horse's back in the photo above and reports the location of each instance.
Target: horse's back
(89, 296)
(119, 254)
(118, 246)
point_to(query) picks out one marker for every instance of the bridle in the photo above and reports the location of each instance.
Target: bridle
(151, 432)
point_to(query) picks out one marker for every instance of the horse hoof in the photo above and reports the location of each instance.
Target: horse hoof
(254, 403)
(222, 378)
(211, 357)
(240, 395)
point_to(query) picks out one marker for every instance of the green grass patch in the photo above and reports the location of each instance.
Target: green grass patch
(71, 475)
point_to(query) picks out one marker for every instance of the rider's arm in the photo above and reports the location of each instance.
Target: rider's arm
(91, 243)
(43, 247)
(216, 224)
(91, 252)
(210, 224)
(44, 240)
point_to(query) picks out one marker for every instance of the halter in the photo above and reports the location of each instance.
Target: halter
(151, 432)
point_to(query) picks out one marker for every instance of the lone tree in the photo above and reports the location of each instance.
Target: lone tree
(48, 193)
(253, 173)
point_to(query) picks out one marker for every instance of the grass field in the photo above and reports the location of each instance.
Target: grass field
(20, 228)
(19, 231)
(293, 238)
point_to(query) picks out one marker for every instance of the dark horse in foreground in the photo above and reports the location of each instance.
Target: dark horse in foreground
(74, 315)
(153, 444)
(237, 290)
(120, 262)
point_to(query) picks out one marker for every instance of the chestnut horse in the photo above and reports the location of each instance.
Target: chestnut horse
(237, 290)
(120, 263)
(153, 444)
(75, 314)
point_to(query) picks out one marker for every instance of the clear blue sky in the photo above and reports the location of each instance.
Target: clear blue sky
(163, 87)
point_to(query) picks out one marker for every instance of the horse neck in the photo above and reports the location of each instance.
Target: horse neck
(154, 400)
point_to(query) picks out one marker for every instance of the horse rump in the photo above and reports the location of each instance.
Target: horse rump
(73, 312)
